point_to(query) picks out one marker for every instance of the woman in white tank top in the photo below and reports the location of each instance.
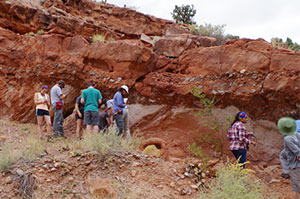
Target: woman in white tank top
(42, 102)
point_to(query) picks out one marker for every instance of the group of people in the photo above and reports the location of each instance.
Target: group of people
(240, 139)
(87, 110)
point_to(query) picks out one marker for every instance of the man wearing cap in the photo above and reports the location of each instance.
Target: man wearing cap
(91, 98)
(287, 127)
(118, 106)
(57, 101)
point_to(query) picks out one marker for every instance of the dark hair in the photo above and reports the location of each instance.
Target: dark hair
(91, 84)
(293, 114)
(237, 118)
(61, 82)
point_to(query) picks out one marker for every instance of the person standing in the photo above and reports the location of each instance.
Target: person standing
(287, 127)
(126, 120)
(91, 98)
(118, 106)
(57, 100)
(282, 155)
(42, 102)
(79, 116)
(237, 136)
(104, 119)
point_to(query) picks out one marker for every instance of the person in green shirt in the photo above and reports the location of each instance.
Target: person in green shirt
(91, 98)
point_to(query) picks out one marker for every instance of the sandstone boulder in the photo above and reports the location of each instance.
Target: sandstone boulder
(100, 188)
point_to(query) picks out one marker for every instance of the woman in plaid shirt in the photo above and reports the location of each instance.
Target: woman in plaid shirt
(238, 137)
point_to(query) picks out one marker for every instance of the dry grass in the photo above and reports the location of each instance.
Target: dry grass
(28, 148)
(105, 143)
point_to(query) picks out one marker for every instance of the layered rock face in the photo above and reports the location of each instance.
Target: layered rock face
(159, 60)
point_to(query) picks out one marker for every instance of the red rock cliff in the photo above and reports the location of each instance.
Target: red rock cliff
(159, 60)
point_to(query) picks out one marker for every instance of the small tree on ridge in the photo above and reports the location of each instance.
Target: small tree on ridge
(184, 14)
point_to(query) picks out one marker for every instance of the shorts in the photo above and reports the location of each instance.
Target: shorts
(295, 179)
(77, 116)
(41, 112)
(91, 118)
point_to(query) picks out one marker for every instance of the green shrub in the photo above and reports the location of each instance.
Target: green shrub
(98, 38)
(196, 150)
(30, 34)
(40, 32)
(233, 182)
(206, 103)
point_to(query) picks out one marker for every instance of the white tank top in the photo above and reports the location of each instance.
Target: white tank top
(38, 97)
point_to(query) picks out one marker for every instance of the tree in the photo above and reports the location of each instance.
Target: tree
(291, 45)
(209, 30)
(184, 14)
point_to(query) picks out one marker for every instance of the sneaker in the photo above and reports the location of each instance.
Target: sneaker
(63, 136)
(50, 139)
(285, 175)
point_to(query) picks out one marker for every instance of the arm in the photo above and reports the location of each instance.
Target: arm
(62, 96)
(290, 143)
(99, 98)
(48, 100)
(36, 101)
(119, 101)
(82, 101)
(242, 135)
(77, 110)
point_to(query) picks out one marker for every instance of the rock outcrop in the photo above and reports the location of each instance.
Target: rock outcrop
(161, 68)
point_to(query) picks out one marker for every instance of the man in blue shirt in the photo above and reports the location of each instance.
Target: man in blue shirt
(118, 106)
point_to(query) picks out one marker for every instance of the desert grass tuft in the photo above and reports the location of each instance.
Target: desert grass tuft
(234, 182)
(29, 148)
(106, 143)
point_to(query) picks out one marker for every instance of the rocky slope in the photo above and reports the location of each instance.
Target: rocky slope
(248, 74)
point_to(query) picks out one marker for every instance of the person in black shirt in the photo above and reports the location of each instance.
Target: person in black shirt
(79, 107)
(104, 120)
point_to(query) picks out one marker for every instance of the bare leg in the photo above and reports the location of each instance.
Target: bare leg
(96, 128)
(48, 123)
(88, 128)
(40, 123)
(297, 195)
(79, 127)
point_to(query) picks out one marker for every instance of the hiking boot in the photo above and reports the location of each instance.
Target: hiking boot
(285, 175)
(63, 136)
(50, 139)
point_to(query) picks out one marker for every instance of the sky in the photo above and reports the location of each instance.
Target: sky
(245, 18)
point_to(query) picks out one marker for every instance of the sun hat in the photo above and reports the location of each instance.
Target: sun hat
(242, 115)
(286, 126)
(125, 88)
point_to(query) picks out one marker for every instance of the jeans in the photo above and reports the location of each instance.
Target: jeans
(126, 123)
(120, 123)
(58, 129)
(242, 154)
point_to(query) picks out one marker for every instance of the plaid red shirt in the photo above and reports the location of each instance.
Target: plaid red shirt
(237, 136)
